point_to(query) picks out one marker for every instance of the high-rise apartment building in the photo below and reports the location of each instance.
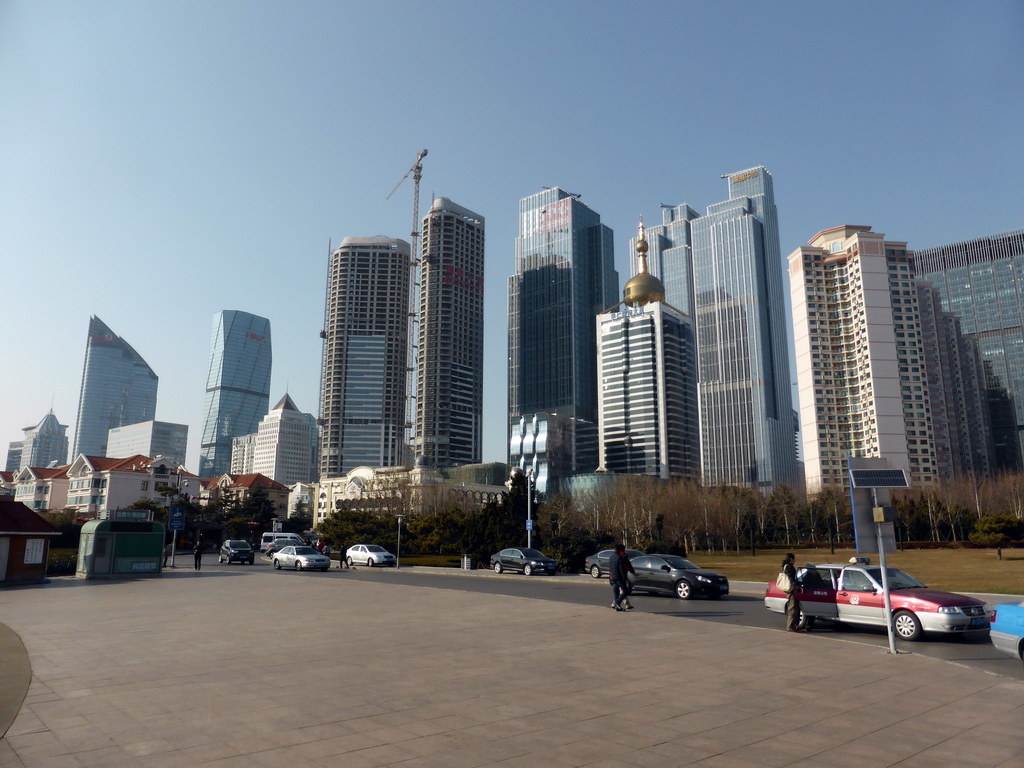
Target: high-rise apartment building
(981, 281)
(860, 356)
(647, 393)
(450, 349)
(44, 445)
(565, 275)
(742, 331)
(237, 386)
(150, 438)
(366, 337)
(118, 388)
(282, 445)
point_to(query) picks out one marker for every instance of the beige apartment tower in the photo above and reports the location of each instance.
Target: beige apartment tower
(450, 344)
(860, 356)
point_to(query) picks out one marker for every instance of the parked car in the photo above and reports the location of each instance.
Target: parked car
(270, 538)
(852, 593)
(677, 576)
(370, 555)
(236, 549)
(280, 544)
(1007, 629)
(301, 557)
(597, 564)
(529, 561)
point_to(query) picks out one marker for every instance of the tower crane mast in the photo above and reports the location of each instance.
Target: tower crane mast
(414, 305)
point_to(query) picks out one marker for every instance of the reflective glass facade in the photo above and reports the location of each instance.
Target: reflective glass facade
(366, 336)
(565, 276)
(981, 282)
(237, 386)
(747, 424)
(118, 388)
(670, 255)
(450, 352)
(44, 445)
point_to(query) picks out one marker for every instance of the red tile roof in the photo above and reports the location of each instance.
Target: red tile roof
(257, 481)
(15, 517)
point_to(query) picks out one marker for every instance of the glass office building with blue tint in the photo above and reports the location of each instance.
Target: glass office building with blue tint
(565, 276)
(118, 388)
(670, 255)
(237, 386)
(365, 354)
(981, 281)
(747, 421)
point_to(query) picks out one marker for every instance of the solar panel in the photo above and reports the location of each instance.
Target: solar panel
(878, 478)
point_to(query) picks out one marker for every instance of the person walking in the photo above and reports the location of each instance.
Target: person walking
(342, 554)
(619, 569)
(197, 553)
(792, 604)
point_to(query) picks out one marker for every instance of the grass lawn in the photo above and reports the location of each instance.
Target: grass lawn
(953, 570)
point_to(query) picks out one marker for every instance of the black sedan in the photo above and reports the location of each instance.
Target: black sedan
(597, 564)
(529, 561)
(677, 576)
(236, 549)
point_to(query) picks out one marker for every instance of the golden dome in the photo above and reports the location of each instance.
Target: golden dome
(642, 288)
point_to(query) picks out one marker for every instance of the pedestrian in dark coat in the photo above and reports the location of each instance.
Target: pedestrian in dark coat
(619, 569)
(197, 552)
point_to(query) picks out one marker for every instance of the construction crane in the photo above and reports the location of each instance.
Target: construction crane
(414, 305)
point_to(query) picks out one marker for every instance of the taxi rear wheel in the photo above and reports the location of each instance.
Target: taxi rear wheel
(906, 625)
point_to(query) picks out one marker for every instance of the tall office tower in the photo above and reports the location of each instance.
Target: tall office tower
(982, 283)
(282, 445)
(150, 438)
(742, 331)
(565, 275)
(118, 388)
(450, 350)
(237, 386)
(366, 337)
(648, 422)
(860, 356)
(670, 255)
(956, 382)
(44, 444)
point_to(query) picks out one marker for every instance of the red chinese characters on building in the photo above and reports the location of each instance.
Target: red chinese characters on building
(462, 278)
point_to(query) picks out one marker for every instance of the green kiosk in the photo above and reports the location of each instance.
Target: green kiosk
(122, 542)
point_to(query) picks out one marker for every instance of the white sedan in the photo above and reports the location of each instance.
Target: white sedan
(300, 558)
(369, 555)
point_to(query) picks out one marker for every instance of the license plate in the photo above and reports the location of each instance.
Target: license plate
(723, 587)
(980, 621)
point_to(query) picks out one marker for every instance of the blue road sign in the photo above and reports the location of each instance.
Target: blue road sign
(529, 525)
(176, 519)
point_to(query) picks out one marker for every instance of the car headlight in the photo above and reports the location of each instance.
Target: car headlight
(949, 609)
(705, 579)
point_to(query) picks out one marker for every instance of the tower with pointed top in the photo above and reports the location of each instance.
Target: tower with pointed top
(647, 388)
(118, 388)
(282, 446)
(44, 444)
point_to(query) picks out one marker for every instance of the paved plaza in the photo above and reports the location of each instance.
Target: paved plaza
(250, 667)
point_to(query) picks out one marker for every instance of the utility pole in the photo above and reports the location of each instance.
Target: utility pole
(414, 305)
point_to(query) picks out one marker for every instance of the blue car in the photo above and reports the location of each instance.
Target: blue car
(1007, 629)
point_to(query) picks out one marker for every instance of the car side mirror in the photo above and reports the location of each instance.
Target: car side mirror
(665, 568)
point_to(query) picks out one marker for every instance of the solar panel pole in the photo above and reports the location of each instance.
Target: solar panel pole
(879, 514)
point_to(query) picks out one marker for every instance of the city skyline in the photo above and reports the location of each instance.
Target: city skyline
(173, 190)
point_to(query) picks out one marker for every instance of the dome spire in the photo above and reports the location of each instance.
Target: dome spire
(644, 287)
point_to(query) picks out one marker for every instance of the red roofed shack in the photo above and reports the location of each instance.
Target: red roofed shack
(24, 544)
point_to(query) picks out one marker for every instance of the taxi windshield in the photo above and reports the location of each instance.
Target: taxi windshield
(897, 579)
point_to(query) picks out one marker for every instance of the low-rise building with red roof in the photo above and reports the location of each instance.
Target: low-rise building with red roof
(24, 543)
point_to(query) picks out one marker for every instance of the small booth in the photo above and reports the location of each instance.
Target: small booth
(123, 542)
(24, 544)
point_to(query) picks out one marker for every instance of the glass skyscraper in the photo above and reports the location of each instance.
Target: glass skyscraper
(365, 354)
(747, 420)
(118, 388)
(237, 386)
(450, 352)
(981, 281)
(670, 257)
(565, 276)
(44, 445)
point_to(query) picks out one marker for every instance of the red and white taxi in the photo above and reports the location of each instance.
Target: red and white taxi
(852, 593)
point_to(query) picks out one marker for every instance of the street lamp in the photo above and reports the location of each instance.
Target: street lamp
(398, 554)
(529, 507)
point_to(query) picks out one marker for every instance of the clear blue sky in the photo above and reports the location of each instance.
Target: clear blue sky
(161, 161)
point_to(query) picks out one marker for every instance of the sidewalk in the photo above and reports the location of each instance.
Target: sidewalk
(233, 667)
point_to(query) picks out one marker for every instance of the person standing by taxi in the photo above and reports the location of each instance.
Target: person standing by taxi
(619, 569)
(792, 604)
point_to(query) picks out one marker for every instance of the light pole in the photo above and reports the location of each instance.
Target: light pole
(398, 554)
(529, 507)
